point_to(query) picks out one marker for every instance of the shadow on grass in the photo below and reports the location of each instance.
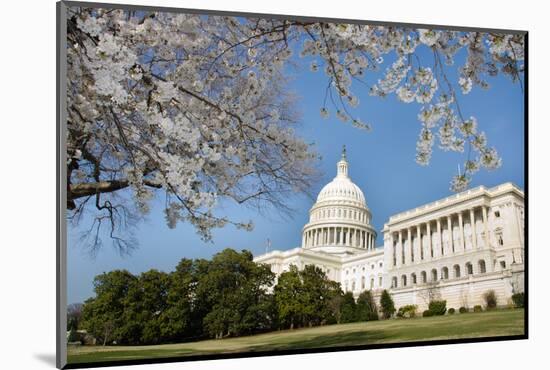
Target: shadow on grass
(330, 340)
(490, 324)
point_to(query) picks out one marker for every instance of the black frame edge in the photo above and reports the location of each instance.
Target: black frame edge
(61, 266)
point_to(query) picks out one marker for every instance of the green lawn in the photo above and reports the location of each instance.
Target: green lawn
(471, 325)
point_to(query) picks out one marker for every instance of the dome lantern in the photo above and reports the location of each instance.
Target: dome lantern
(342, 166)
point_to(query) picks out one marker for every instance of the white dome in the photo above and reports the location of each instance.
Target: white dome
(341, 189)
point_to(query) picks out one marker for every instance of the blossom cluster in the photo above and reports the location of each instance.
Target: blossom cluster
(197, 105)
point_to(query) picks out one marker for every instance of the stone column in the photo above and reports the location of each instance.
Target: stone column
(316, 237)
(486, 227)
(371, 240)
(419, 237)
(473, 227)
(393, 249)
(450, 234)
(345, 236)
(400, 248)
(429, 234)
(440, 238)
(461, 228)
(409, 238)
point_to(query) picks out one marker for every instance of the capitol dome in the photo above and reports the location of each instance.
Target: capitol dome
(339, 221)
(341, 188)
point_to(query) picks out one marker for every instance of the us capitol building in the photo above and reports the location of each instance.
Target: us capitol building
(455, 248)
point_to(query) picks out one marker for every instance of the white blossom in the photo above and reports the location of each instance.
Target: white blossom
(183, 103)
(460, 183)
(465, 84)
(428, 37)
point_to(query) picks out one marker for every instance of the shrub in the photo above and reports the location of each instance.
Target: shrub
(366, 308)
(407, 311)
(427, 313)
(462, 310)
(73, 336)
(438, 307)
(490, 299)
(518, 299)
(373, 316)
(451, 311)
(477, 308)
(386, 304)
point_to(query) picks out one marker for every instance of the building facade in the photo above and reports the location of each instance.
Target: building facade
(456, 248)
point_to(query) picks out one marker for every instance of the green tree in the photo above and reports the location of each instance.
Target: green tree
(307, 298)
(317, 290)
(366, 307)
(176, 321)
(144, 305)
(235, 289)
(349, 308)
(386, 304)
(288, 298)
(102, 316)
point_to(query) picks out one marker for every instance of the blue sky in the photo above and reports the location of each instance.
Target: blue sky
(381, 163)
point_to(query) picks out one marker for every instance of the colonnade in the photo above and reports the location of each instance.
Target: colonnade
(408, 248)
(339, 236)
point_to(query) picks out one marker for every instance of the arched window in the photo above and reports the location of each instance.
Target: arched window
(434, 275)
(403, 280)
(413, 278)
(457, 271)
(363, 283)
(481, 266)
(372, 283)
(469, 268)
(423, 277)
(444, 273)
(394, 282)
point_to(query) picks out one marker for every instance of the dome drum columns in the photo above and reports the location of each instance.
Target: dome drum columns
(339, 236)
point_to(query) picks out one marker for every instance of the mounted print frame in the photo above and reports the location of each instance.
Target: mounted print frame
(236, 184)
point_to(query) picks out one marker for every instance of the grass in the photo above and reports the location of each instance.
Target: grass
(471, 325)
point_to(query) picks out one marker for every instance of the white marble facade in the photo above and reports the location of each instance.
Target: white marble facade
(455, 248)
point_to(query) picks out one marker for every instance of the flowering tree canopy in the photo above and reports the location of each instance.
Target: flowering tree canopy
(195, 106)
